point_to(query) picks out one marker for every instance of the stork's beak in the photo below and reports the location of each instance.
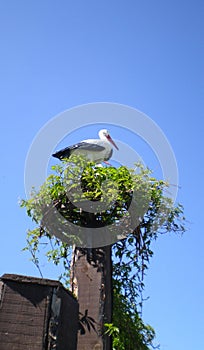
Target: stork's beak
(111, 141)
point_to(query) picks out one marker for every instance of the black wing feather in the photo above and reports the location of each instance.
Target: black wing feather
(66, 152)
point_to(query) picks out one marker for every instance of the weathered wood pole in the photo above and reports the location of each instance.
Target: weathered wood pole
(92, 284)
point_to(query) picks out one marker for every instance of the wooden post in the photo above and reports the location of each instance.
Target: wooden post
(92, 284)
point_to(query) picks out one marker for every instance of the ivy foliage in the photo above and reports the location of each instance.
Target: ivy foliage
(131, 332)
(80, 194)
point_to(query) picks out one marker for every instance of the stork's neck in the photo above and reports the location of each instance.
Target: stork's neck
(104, 138)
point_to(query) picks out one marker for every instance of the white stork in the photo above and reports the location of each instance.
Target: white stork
(96, 150)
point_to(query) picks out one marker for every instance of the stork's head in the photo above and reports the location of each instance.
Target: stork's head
(104, 135)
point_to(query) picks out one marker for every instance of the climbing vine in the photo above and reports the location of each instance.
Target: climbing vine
(89, 196)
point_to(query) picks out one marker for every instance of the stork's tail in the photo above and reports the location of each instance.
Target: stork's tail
(64, 153)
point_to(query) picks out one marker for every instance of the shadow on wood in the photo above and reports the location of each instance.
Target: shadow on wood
(36, 314)
(92, 284)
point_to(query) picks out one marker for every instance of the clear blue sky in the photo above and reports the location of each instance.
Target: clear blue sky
(146, 54)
